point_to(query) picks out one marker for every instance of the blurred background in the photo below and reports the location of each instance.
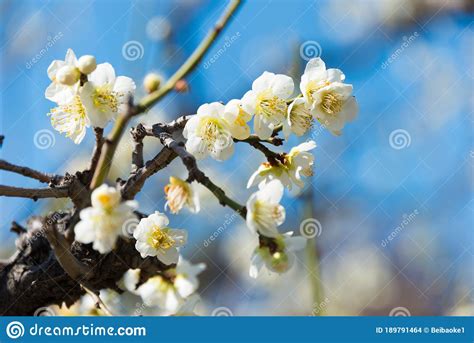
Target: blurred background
(392, 195)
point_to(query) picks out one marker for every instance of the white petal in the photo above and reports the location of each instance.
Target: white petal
(272, 192)
(124, 85)
(283, 86)
(103, 74)
(256, 264)
(84, 232)
(263, 82)
(170, 256)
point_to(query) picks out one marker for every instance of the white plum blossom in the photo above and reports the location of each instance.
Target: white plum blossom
(267, 100)
(70, 116)
(277, 257)
(171, 290)
(207, 133)
(155, 238)
(296, 164)
(102, 223)
(237, 119)
(264, 212)
(180, 193)
(56, 91)
(329, 98)
(299, 118)
(104, 95)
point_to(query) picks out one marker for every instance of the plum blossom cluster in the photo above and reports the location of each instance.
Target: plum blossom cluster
(91, 95)
(273, 107)
(86, 94)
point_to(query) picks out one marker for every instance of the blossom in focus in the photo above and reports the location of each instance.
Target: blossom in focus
(329, 98)
(296, 164)
(102, 223)
(237, 119)
(171, 290)
(104, 95)
(299, 118)
(267, 100)
(69, 116)
(57, 91)
(180, 193)
(278, 256)
(264, 212)
(207, 133)
(155, 238)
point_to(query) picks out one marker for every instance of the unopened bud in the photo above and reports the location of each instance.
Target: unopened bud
(68, 75)
(86, 64)
(152, 82)
(181, 86)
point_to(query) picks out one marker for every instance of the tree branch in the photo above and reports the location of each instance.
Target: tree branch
(28, 172)
(99, 141)
(195, 174)
(138, 134)
(193, 60)
(34, 193)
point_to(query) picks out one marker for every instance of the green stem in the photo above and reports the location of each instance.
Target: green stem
(192, 61)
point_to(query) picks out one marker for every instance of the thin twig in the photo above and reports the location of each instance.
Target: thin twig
(195, 174)
(28, 172)
(34, 193)
(99, 141)
(98, 300)
(138, 134)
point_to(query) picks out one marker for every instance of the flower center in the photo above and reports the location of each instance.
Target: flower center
(267, 214)
(313, 87)
(160, 239)
(301, 117)
(270, 105)
(105, 99)
(330, 103)
(177, 195)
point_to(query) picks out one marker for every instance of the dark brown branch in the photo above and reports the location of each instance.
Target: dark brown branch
(99, 141)
(136, 180)
(28, 172)
(138, 134)
(34, 278)
(276, 141)
(34, 193)
(195, 174)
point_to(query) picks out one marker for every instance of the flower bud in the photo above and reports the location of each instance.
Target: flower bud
(68, 75)
(181, 86)
(86, 64)
(152, 82)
